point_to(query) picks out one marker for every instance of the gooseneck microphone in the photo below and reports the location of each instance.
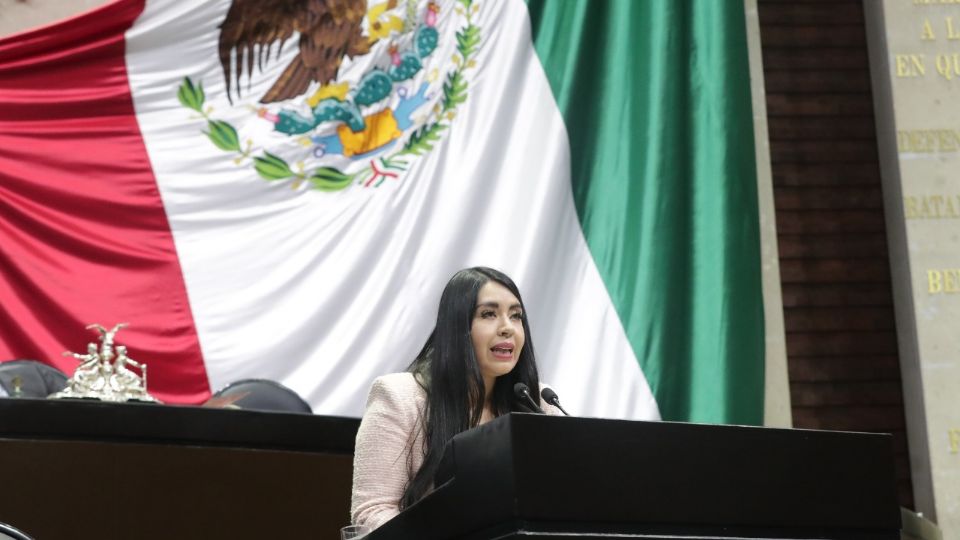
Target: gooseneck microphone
(550, 397)
(522, 392)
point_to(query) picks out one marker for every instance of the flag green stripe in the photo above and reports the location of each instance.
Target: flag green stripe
(655, 96)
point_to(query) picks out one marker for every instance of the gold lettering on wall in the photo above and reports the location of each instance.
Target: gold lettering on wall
(950, 280)
(946, 64)
(928, 140)
(951, 32)
(945, 281)
(910, 65)
(934, 281)
(931, 207)
(953, 435)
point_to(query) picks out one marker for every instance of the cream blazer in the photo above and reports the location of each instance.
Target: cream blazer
(382, 461)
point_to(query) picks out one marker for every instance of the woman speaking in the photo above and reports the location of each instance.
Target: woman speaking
(464, 376)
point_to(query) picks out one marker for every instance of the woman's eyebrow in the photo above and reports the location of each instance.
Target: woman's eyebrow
(496, 305)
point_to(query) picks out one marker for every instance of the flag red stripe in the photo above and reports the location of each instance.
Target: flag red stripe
(83, 234)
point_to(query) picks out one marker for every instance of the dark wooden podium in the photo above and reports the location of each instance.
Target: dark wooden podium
(530, 476)
(83, 469)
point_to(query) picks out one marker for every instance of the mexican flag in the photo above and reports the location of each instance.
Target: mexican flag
(280, 189)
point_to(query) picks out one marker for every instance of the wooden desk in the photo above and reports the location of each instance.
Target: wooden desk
(86, 469)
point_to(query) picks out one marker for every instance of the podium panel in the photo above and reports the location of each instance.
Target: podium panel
(532, 476)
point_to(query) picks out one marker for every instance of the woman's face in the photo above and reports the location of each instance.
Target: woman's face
(497, 330)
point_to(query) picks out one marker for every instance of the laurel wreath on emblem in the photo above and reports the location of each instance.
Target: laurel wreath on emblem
(351, 124)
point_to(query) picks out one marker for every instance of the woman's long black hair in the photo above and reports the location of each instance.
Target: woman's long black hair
(447, 369)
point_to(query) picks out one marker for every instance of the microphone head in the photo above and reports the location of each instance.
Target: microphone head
(548, 394)
(520, 390)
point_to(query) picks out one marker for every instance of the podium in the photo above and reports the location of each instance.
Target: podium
(525, 476)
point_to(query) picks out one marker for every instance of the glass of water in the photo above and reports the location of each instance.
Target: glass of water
(352, 532)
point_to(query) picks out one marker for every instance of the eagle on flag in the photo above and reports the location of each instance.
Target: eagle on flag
(329, 30)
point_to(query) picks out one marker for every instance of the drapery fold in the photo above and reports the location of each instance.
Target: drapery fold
(656, 99)
(83, 234)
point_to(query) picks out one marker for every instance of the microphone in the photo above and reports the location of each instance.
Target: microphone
(550, 397)
(522, 392)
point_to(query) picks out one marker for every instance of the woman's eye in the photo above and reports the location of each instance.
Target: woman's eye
(517, 316)
(487, 314)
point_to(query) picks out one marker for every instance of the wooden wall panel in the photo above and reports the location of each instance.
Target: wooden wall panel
(838, 309)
